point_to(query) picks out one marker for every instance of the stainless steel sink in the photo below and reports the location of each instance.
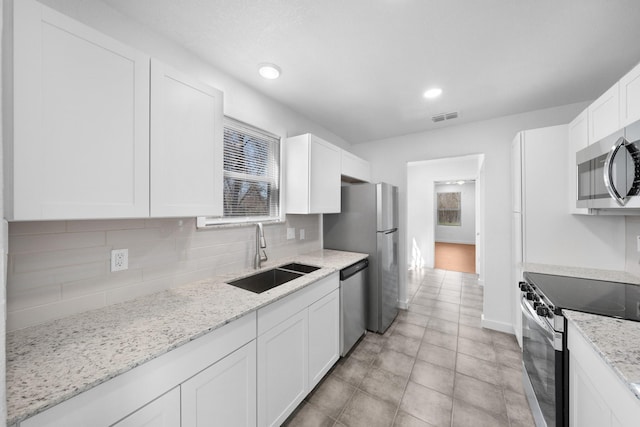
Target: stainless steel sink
(300, 268)
(269, 279)
(265, 280)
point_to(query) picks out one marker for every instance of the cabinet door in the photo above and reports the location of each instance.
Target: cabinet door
(587, 406)
(604, 114)
(282, 369)
(223, 394)
(80, 146)
(578, 139)
(324, 336)
(630, 97)
(162, 412)
(186, 145)
(354, 168)
(516, 173)
(324, 177)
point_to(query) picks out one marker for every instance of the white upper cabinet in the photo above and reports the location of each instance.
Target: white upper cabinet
(77, 135)
(516, 173)
(578, 139)
(630, 97)
(604, 114)
(312, 175)
(354, 169)
(186, 145)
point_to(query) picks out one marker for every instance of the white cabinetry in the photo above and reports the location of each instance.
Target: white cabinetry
(312, 175)
(298, 342)
(223, 394)
(517, 257)
(77, 137)
(630, 97)
(186, 145)
(162, 412)
(597, 396)
(354, 169)
(324, 344)
(604, 114)
(578, 139)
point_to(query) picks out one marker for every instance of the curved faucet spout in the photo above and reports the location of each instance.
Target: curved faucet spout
(261, 243)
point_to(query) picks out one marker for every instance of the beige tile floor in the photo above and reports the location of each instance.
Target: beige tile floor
(434, 366)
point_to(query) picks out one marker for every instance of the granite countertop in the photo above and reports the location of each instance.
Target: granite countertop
(585, 273)
(50, 363)
(617, 341)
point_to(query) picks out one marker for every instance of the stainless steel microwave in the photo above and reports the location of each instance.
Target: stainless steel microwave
(609, 171)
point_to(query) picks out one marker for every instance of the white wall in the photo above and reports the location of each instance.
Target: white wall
(389, 158)
(464, 233)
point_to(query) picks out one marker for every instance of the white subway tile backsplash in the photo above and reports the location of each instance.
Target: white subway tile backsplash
(60, 268)
(53, 242)
(18, 319)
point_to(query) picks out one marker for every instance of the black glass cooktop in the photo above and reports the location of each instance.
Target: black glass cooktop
(613, 299)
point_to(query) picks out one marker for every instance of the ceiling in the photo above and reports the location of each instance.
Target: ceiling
(360, 67)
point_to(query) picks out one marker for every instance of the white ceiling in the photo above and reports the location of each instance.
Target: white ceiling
(359, 67)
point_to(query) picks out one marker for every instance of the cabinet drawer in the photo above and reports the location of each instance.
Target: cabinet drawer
(273, 314)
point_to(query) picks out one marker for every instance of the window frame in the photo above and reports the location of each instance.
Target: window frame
(438, 210)
(222, 221)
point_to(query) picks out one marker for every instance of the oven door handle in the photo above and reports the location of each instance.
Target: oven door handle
(608, 172)
(554, 339)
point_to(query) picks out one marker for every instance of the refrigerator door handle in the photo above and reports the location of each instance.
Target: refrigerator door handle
(393, 230)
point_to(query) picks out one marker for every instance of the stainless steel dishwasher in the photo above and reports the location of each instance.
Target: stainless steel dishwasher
(353, 304)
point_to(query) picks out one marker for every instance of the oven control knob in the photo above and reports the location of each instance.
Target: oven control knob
(536, 304)
(530, 296)
(523, 286)
(542, 310)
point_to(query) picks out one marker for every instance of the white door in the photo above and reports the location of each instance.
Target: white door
(630, 97)
(282, 369)
(162, 412)
(81, 121)
(324, 336)
(224, 394)
(604, 114)
(186, 145)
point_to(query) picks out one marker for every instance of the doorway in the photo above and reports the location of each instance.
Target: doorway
(421, 207)
(455, 225)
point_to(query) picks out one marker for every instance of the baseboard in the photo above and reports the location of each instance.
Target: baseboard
(456, 242)
(404, 305)
(498, 326)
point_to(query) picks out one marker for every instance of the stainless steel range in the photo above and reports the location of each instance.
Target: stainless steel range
(544, 342)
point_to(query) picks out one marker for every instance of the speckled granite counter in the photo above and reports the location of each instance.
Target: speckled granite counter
(617, 341)
(50, 363)
(586, 273)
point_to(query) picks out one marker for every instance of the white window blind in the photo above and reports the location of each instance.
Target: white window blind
(251, 172)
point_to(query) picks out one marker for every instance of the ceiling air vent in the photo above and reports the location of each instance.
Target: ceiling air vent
(444, 116)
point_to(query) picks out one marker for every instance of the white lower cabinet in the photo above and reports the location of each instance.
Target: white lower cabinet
(324, 339)
(597, 396)
(298, 342)
(224, 394)
(282, 369)
(162, 412)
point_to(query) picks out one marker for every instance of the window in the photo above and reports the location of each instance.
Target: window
(449, 209)
(251, 165)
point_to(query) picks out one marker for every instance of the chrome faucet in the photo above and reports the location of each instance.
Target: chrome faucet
(261, 243)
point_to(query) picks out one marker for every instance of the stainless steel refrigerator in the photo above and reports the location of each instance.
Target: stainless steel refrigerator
(368, 223)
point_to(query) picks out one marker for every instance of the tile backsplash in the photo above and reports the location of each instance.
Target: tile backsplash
(59, 268)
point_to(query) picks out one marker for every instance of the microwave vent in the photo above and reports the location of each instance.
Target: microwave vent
(444, 116)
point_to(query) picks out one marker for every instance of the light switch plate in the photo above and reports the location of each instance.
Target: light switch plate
(291, 233)
(302, 234)
(638, 243)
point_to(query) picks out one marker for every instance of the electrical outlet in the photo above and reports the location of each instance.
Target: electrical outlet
(119, 259)
(291, 233)
(302, 234)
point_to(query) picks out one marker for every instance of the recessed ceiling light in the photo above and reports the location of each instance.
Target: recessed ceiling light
(269, 71)
(433, 93)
